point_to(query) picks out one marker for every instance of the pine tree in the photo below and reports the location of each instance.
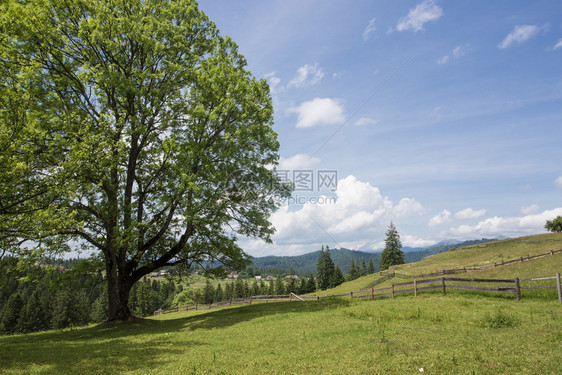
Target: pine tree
(311, 284)
(371, 267)
(255, 288)
(353, 271)
(302, 287)
(99, 313)
(239, 289)
(219, 294)
(279, 286)
(325, 269)
(363, 270)
(33, 317)
(228, 291)
(338, 277)
(71, 309)
(11, 314)
(208, 293)
(271, 288)
(392, 253)
(292, 286)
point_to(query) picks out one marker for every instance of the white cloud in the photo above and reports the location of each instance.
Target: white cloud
(359, 215)
(424, 12)
(457, 52)
(558, 182)
(514, 226)
(520, 34)
(469, 213)
(527, 210)
(413, 241)
(319, 111)
(371, 28)
(558, 44)
(307, 75)
(363, 121)
(441, 218)
(407, 206)
(443, 60)
(299, 161)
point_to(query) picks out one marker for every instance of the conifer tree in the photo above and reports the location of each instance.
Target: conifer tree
(255, 288)
(33, 317)
(70, 309)
(229, 291)
(325, 269)
(99, 313)
(371, 267)
(338, 277)
(292, 286)
(239, 289)
(11, 314)
(392, 253)
(363, 270)
(208, 293)
(302, 287)
(353, 271)
(279, 286)
(311, 284)
(271, 288)
(219, 293)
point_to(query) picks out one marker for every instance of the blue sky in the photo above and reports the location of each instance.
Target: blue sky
(443, 117)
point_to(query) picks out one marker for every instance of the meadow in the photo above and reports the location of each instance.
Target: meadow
(460, 333)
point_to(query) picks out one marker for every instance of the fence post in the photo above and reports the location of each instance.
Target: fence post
(443, 284)
(415, 288)
(517, 289)
(250, 300)
(559, 287)
(351, 295)
(392, 290)
(373, 293)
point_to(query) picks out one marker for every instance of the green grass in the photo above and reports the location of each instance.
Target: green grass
(486, 254)
(443, 335)
(464, 332)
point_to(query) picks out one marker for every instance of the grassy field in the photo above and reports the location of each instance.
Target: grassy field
(462, 333)
(443, 335)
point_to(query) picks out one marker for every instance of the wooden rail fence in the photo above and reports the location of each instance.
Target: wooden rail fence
(466, 269)
(416, 286)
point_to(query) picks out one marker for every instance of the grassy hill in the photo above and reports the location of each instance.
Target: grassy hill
(461, 333)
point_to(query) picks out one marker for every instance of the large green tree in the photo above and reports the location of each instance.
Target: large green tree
(392, 253)
(131, 129)
(554, 225)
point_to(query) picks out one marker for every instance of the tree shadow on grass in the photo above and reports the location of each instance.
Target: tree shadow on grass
(143, 344)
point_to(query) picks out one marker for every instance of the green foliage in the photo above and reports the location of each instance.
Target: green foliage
(392, 254)
(554, 225)
(337, 278)
(132, 129)
(70, 310)
(11, 314)
(279, 286)
(371, 267)
(209, 293)
(325, 269)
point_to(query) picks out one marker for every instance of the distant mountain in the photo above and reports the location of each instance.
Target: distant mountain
(305, 264)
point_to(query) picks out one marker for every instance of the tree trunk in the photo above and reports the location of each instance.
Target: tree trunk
(118, 290)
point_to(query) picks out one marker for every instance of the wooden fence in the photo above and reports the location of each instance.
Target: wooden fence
(466, 269)
(234, 301)
(416, 286)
